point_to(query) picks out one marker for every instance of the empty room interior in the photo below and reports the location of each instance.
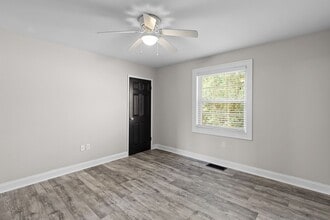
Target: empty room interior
(142, 109)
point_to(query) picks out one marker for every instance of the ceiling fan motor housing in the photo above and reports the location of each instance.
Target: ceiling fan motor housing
(141, 21)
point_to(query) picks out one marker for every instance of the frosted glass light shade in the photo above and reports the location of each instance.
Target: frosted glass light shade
(149, 40)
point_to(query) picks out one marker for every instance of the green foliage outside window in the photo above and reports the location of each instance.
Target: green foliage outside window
(223, 99)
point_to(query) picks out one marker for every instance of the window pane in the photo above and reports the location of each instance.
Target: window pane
(229, 115)
(228, 85)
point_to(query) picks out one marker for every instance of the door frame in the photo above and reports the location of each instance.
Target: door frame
(152, 110)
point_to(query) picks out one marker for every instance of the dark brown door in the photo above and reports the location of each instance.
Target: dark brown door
(139, 115)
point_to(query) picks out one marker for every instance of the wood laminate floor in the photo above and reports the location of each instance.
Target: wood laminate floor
(160, 185)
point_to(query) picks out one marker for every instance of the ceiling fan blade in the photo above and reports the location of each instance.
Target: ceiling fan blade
(149, 21)
(179, 33)
(167, 45)
(119, 32)
(137, 43)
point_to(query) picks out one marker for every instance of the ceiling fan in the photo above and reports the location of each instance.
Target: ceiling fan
(150, 33)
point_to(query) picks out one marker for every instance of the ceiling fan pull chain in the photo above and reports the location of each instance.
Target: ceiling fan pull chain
(141, 51)
(157, 50)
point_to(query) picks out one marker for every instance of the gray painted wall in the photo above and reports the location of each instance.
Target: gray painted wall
(291, 123)
(53, 99)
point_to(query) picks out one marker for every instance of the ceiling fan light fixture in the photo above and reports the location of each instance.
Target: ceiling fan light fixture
(149, 40)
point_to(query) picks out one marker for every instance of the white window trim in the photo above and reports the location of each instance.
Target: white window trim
(225, 132)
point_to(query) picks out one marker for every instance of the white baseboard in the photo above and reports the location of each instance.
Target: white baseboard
(303, 183)
(15, 184)
(154, 146)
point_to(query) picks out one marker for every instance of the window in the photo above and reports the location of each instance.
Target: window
(222, 100)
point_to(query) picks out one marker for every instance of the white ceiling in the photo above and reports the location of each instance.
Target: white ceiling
(223, 25)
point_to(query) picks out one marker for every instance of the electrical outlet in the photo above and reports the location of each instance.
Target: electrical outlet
(82, 148)
(88, 146)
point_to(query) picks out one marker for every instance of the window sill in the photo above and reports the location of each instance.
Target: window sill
(223, 132)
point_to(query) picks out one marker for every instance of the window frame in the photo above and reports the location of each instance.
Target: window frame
(222, 131)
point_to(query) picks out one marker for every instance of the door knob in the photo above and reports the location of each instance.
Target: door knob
(131, 118)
